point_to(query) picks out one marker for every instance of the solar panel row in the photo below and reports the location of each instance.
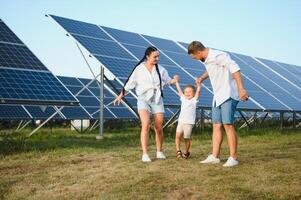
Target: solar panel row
(269, 84)
(24, 79)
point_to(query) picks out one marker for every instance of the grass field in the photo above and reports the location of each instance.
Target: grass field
(69, 165)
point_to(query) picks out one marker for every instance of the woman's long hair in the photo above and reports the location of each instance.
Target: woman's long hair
(148, 51)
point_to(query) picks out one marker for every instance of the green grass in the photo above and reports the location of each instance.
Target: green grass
(68, 165)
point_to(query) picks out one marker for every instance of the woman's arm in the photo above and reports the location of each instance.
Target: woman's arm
(176, 78)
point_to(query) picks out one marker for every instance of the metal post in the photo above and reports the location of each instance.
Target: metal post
(281, 120)
(294, 120)
(100, 136)
(202, 120)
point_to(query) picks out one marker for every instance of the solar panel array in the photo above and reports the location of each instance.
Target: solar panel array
(88, 106)
(23, 78)
(269, 83)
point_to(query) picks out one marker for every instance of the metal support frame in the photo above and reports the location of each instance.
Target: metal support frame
(172, 118)
(265, 116)
(100, 135)
(202, 120)
(294, 120)
(246, 121)
(281, 120)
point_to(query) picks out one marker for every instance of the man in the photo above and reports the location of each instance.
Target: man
(228, 89)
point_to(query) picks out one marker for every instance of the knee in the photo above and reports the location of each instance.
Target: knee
(145, 127)
(178, 135)
(158, 128)
(228, 127)
(217, 126)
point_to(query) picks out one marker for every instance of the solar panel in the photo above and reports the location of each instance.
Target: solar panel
(89, 100)
(13, 112)
(120, 50)
(275, 88)
(24, 79)
(42, 112)
(283, 70)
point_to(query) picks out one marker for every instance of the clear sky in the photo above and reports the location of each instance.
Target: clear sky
(264, 28)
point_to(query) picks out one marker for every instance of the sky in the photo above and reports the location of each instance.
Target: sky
(268, 29)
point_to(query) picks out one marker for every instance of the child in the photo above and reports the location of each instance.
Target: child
(187, 115)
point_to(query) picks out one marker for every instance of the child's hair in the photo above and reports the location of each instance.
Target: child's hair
(195, 46)
(190, 86)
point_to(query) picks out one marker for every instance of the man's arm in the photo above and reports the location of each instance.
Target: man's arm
(203, 77)
(242, 92)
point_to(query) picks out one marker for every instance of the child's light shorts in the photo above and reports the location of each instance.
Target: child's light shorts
(185, 128)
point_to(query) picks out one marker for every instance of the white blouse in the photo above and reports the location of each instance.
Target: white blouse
(146, 83)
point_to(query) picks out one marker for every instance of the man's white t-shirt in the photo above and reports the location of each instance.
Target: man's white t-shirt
(220, 68)
(188, 110)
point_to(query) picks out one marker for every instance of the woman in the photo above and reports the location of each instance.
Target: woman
(148, 79)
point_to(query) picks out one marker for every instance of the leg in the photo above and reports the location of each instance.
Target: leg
(145, 125)
(158, 123)
(232, 139)
(187, 145)
(228, 110)
(217, 138)
(178, 140)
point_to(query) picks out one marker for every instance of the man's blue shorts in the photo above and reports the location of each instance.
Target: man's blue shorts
(224, 114)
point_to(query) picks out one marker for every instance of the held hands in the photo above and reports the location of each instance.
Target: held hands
(198, 82)
(176, 78)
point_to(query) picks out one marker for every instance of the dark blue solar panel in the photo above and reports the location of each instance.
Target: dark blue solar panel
(85, 81)
(185, 45)
(262, 76)
(185, 61)
(126, 37)
(23, 78)
(70, 81)
(19, 56)
(164, 44)
(139, 53)
(82, 28)
(119, 67)
(75, 113)
(41, 112)
(8, 112)
(6, 35)
(122, 112)
(31, 85)
(103, 47)
(283, 70)
(296, 69)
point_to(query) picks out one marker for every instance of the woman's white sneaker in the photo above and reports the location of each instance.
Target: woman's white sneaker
(211, 160)
(160, 155)
(231, 162)
(146, 158)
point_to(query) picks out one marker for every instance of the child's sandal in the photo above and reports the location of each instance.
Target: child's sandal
(179, 154)
(186, 155)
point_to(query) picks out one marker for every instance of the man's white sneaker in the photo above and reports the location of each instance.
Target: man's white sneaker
(145, 158)
(231, 162)
(160, 155)
(211, 160)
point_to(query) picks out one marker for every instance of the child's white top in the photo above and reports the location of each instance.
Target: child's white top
(220, 68)
(146, 83)
(188, 110)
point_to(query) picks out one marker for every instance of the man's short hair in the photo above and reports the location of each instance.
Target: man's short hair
(195, 46)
